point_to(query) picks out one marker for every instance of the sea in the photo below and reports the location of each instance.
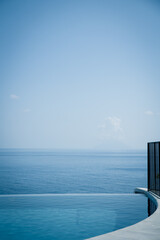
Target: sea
(69, 195)
(35, 171)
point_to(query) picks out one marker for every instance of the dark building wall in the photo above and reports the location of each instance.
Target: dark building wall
(154, 167)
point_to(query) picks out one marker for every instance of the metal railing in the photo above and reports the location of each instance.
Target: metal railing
(154, 167)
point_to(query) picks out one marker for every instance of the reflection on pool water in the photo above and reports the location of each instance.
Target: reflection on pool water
(68, 216)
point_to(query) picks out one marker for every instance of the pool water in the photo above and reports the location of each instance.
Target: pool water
(68, 216)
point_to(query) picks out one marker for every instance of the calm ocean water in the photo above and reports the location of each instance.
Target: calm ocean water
(57, 195)
(71, 172)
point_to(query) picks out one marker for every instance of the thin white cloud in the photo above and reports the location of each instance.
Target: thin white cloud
(27, 110)
(102, 126)
(116, 123)
(13, 96)
(148, 112)
(111, 129)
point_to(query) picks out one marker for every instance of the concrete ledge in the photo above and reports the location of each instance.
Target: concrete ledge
(148, 229)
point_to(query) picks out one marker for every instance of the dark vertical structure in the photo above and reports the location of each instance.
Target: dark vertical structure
(154, 167)
(151, 207)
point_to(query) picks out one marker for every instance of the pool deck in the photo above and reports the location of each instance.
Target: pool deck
(148, 229)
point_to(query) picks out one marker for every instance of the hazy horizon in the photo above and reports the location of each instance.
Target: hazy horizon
(79, 74)
(78, 150)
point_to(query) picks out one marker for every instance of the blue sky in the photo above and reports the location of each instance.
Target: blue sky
(79, 74)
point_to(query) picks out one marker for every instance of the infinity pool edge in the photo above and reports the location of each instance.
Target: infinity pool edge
(147, 229)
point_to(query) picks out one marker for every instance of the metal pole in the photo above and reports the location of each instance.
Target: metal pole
(148, 161)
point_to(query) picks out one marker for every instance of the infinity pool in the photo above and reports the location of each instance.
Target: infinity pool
(68, 216)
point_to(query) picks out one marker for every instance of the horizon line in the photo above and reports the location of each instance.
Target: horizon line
(75, 149)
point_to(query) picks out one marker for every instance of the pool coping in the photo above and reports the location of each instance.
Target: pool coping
(147, 229)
